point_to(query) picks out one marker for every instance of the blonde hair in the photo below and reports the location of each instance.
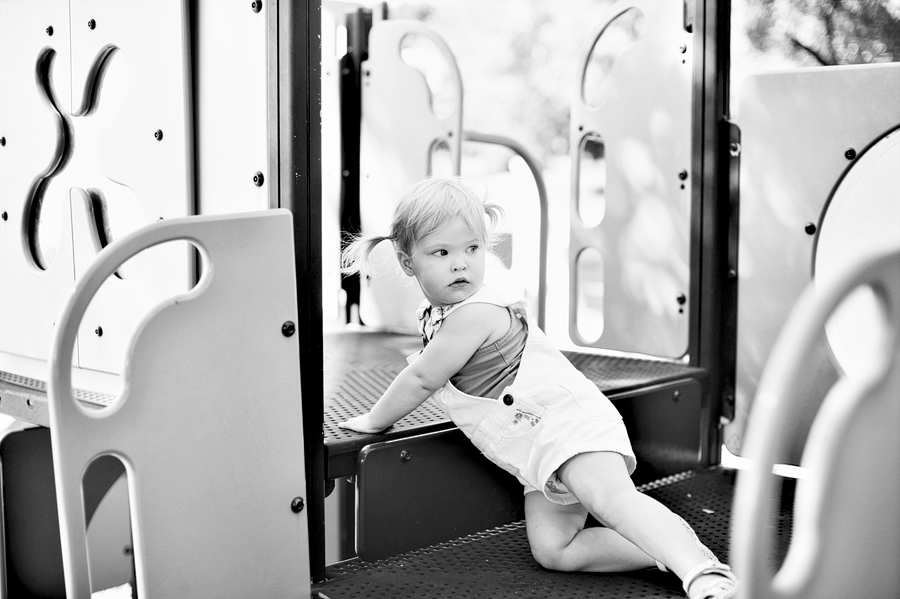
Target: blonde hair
(423, 209)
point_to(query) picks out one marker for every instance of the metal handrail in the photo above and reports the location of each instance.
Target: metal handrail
(535, 168)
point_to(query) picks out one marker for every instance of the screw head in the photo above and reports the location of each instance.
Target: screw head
(810, 228)
(256, 5)
(258, 179)
(158, 134)
(405, 456)
(2, 141)
(49, 30)
(297, 505)
(98, 331)
(682, 174)
(4, 216)
(850, 153)
(682, 48)
(681, 299)
(92, 24)
(288, 328)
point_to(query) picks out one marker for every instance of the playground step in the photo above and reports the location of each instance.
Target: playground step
(359, 366)
(497, 563)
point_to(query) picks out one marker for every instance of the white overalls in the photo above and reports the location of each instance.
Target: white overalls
(551, 413)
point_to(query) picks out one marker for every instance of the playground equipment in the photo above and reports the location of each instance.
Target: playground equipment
(194, 200)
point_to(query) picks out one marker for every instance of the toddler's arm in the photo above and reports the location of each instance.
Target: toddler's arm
(461, 334)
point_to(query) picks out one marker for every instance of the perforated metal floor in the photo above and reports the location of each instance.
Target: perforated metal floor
(359, 366)
(497, 564)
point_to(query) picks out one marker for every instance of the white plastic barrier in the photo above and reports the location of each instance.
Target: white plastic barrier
(209, 425)
(846, 535)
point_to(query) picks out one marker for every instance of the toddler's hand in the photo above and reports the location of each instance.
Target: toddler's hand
(360, 424)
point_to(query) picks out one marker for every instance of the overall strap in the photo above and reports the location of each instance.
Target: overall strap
(431, 317)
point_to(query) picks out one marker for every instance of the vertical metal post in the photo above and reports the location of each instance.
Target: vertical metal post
(300, 178)
(358, 25)
(713, 317)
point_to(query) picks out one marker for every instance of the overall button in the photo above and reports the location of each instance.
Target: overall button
(508, 399)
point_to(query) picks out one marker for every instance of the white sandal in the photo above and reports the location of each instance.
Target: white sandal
(723, 588)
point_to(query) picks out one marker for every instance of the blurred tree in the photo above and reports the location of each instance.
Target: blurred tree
(826, 32)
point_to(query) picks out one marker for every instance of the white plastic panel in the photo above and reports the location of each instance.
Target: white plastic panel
(232, 100)
(118, 138)
(210, 429)
(862, 219)
(142, 157)
(844, 539)
(797, 130)
(31, 128)
(401, 130)
(630, 143)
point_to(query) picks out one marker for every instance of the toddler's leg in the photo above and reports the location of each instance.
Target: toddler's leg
(559, 540)
(601, 482)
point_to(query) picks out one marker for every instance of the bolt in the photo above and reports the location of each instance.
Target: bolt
(158, 134)
(4, 216)
(850, 154)
(732, 273)
(49, 30)
(405, 456)
(676, 395)
(297, 505)
(734, 148)
(256, 5)
(98, 331)
(92, 24)
(258, 179)
(2, 141)
(683, 174)
(810, 228)
(288, 328)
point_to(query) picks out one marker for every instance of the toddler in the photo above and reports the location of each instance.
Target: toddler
(522, 403)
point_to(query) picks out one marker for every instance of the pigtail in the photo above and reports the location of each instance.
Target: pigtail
(495, 215)
(356, 252)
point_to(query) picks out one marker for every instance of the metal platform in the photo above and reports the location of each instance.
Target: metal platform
(497, 564)
(359, 366)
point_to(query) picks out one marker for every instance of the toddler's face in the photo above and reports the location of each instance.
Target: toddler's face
(448, 264)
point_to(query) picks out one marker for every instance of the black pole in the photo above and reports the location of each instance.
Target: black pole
(358, 25)
(713, 317)
(300, 183)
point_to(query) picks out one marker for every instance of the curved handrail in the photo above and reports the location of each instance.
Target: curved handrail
(778, 407)
(535, 168)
